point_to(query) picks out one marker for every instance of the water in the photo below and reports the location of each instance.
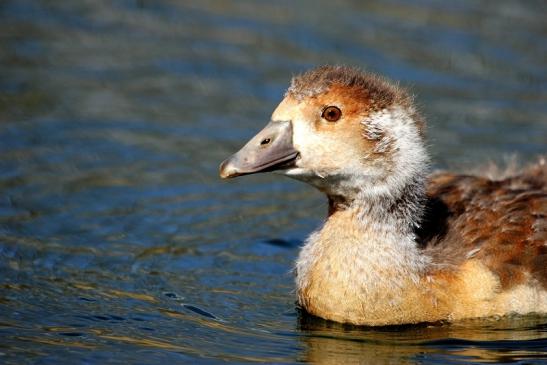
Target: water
(118, 242)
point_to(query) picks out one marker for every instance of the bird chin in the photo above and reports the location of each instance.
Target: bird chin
(294, 172)
(299, 173)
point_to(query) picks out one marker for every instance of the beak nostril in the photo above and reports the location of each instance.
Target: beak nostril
(265, 141)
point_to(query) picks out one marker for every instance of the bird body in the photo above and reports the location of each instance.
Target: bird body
(399, 245)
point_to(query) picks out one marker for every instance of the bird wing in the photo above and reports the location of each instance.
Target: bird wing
(502, 223)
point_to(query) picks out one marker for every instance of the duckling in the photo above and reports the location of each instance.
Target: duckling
(399, 245)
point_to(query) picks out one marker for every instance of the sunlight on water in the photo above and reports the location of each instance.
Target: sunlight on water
(118, 241)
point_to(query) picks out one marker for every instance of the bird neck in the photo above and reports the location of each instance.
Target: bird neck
(397, 211)
(365, 256)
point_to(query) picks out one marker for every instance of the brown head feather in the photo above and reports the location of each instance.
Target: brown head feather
(379, 92)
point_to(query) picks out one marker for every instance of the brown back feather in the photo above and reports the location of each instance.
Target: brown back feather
(503, 223)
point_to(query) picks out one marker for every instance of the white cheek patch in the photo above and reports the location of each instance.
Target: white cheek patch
(397, 133)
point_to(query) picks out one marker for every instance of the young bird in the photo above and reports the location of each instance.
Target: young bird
(399, 246)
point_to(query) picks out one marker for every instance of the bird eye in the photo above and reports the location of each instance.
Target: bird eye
(331, 113)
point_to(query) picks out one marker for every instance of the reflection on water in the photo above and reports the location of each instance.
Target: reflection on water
(487, 340)
(119, 244)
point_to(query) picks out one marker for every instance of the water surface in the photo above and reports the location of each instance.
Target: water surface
(118, 242)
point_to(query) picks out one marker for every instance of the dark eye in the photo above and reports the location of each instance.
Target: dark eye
(331, 113)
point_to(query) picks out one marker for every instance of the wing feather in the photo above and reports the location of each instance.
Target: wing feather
(503, 223)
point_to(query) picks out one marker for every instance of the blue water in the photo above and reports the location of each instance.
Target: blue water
(119, 243)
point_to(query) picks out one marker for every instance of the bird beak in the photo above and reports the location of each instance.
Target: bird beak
(271, 149)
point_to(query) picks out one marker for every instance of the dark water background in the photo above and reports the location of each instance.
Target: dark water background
(118, 242)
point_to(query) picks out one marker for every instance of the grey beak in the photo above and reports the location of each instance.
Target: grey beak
(271, 149)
